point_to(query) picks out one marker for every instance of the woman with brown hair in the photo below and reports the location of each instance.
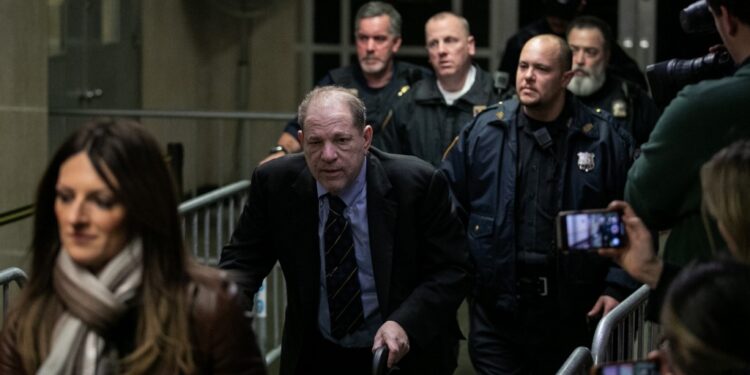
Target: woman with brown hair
(112, 288)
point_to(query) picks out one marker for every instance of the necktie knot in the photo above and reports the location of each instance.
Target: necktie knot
(336, 205)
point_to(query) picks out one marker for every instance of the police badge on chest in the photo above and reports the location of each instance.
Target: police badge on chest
(586, 161)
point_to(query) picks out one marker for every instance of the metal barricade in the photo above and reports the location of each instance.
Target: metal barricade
(579, 362)
(207, 223)
(624, 334)
(7, 276)
(208, 220)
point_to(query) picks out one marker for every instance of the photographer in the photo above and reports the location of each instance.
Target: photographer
(663, 185)
(724, 180)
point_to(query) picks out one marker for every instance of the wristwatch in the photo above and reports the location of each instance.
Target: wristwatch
(276, 149)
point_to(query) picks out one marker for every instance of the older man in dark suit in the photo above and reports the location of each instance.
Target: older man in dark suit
(377, 255)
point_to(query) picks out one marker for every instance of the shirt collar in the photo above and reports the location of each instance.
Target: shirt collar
(350, 192)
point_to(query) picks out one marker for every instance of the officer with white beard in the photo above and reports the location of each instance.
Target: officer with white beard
(590, 39)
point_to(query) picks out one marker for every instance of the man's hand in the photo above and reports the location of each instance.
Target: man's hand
(392, 335)
(270, 157)
(288, 142)
(638, 257)
(603, 305)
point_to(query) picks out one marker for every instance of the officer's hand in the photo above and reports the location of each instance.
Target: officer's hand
(638, 257)
(603, 306)
(270, 157)
(392, 335)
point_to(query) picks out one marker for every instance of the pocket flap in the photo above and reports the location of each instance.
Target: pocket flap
(480, 226)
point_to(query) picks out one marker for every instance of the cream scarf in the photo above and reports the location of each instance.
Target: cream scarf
(93, 303)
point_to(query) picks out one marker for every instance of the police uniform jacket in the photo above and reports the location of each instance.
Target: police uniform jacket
(628, 104)
(482, 171)
(377, 101)
(424, 124)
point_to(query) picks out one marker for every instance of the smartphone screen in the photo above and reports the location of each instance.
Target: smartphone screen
(628, 368)
(591, 230)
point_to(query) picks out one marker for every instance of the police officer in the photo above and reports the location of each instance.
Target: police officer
(512, 170)
(590, 39)
(557, 14)
(378, 79)
(432, 113)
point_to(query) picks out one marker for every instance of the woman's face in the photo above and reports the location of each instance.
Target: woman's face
(90, 218)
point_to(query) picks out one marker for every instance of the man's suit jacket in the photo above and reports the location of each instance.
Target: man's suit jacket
(418, 247)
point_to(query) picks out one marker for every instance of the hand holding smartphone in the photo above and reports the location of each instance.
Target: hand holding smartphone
(589, 230)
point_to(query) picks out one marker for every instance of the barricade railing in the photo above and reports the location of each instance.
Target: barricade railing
(7, 276)
(207, 223)
(208, 220)
(624, 333)
(578, 363)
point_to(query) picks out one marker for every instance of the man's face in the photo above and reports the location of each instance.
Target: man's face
(334, 148)
(375, 44)
(540, 78)
(449, 46)
(589, 60)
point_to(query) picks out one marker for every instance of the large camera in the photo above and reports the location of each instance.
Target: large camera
(667, 78)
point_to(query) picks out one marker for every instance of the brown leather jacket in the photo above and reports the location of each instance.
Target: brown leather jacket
(223, 341)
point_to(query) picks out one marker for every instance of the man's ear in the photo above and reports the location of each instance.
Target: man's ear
(732, 22)
(396, 45)
(300, 137)
(367, 133)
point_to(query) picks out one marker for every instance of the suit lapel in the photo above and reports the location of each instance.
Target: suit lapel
(381, 222)
(304, 223)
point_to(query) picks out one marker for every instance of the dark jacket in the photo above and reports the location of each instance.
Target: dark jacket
(222, 339)
(377, 101)
(482, 171)
(423, 125)
(628, 104)
(417, 243)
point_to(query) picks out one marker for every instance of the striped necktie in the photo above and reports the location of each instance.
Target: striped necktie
(342, 280)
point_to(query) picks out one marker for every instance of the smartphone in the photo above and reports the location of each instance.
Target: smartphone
(590, 230)
(643, 367)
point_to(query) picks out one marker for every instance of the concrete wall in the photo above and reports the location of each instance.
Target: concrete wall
(191, 53)
(23, 116)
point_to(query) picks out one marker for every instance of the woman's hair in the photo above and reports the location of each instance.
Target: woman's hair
(705, 318)
(725, 181)
(142, 183)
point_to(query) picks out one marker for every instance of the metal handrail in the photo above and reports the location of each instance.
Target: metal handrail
(578, 363)
(8, 275)
(213, 197)
(205, 215)
(151, 113)
(602, 336)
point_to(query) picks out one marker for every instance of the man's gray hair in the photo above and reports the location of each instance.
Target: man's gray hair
(379, 8)
(326, 95)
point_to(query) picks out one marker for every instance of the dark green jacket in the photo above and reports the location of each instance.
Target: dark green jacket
(664, 183)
